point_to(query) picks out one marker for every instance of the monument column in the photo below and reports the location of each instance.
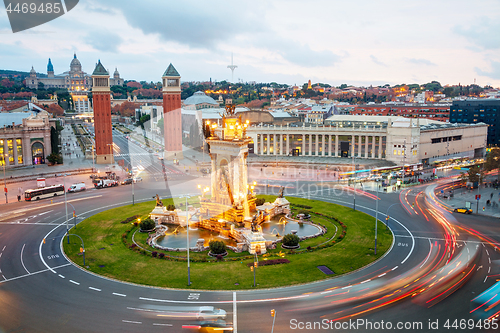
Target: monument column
(379, 147)
(274, 143)
(360, 145)
(303, 145)
(268, 144)
(336, 146)
(373, 146)
(172, 123)
(261, 144)
(287, 144)
(101, 100)
(353, 145)
(366, 147)
(310, 144)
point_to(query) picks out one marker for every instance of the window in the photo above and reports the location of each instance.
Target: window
(10, 147)
(436, 140)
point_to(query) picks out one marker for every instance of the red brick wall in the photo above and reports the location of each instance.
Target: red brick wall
(102, 122)
(173, 121)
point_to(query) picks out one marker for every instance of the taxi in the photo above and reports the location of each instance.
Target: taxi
(463, 210)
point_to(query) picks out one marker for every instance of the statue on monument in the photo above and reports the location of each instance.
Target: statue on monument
(158, 201)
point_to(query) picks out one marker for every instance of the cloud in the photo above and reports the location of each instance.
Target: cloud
(376, 61)
(494, 73)
(483, 33)
(103, 41)
(421, 62)
(198, 24)
(304, 56)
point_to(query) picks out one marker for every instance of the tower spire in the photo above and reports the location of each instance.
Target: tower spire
(232, 67)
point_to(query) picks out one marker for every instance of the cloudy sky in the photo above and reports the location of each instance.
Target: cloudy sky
(355, 42)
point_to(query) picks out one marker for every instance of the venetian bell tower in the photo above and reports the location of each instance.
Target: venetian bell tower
(101, 99)
(172, 114)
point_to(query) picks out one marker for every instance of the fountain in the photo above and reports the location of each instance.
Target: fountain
(230, 213)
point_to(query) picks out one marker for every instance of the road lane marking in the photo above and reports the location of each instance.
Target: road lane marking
(22, 262)
(121, 295)
(235, 322)
(26, 275)
(365, 281)
(156, 324)
(394, 268)
(382, 275)
(430, 250)
(77, 283)
(132, 322)
(61, 276)
(92, 288)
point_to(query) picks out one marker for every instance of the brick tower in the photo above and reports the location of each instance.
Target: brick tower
(101, 99)
(172, 114)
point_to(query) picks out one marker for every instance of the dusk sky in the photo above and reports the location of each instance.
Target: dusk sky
(290, 41)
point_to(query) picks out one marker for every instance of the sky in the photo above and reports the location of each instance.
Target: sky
(359, 42)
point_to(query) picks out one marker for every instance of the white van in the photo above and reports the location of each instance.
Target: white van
(77, 187)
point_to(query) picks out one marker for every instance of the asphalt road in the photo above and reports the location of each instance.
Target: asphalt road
(42, 292)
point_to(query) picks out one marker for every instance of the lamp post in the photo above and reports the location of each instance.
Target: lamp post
(376, 216)
(387, 215)
(354, 180)
(187, 238)
(65, 205)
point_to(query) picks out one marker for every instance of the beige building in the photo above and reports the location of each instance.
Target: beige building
(396, 139)
(24, 138)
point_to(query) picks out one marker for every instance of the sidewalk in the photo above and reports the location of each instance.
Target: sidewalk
(462, 196)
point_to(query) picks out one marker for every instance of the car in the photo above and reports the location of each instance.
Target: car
(77, 187)
(463, 210)
(127, 181)
(137, 179)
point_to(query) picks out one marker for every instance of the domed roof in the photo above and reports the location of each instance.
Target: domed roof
(75, 64)
(50, 67)
(32, 71)
(199, 97)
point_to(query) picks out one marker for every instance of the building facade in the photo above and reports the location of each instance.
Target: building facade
(439, 112)
(24, 138)
(101, 97)
(472, 111)
(396, 139)
(172, 114)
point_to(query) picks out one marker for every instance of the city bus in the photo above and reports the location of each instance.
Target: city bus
(44, 192)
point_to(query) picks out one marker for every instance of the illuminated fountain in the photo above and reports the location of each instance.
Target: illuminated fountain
(230, 213)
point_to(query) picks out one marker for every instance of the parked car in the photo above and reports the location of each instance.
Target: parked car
(77, 187)
(127, 181)
(463, 210)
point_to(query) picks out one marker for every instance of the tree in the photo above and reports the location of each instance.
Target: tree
(147, 224)
(160, 126)
(144, 119)
(291, 240)
(493, 160)
(475, 174)
(217, 247)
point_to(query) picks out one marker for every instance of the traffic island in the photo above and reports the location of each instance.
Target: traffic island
(346, 245)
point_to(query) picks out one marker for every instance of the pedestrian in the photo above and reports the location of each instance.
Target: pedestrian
(18, 198)
(491, 195)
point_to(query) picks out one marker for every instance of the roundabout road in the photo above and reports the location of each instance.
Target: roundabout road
(42, 292)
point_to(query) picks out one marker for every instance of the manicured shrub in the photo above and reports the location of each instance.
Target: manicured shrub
(170, 207)
(217, 247)
(154, 254)
(291, 240)
(147, 224)
(161, 255)
(260, 201)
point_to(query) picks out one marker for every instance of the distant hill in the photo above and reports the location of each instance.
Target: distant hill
(17, 74)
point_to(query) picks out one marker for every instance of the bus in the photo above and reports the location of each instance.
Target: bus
(44, 192)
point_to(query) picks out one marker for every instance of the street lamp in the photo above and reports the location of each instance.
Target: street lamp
(376, 215)
(387, 215)
(187, 238)
(65, 204)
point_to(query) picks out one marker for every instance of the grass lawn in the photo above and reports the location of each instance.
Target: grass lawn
(107, 253)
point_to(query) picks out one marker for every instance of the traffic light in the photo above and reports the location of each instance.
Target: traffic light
(387, 218)
(273, 312)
